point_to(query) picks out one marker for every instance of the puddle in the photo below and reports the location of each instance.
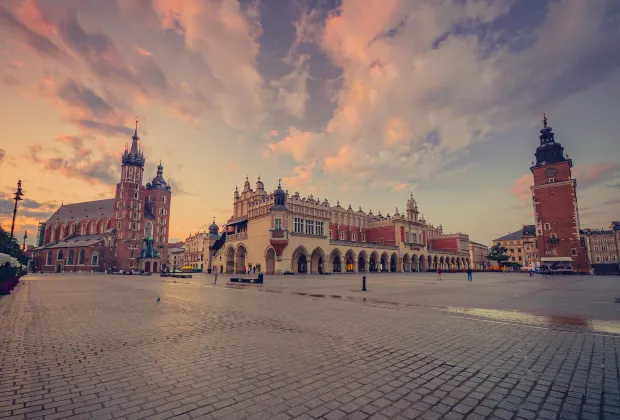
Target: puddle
(612, 327)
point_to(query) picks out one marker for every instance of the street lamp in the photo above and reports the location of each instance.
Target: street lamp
(25, 236)
(18, 197)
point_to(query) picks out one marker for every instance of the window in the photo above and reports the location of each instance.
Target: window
(131, 254)
(415, 238)
(596, 248)
(573, 251)
(597, 258)
(352, 236)
(553, 236)
(406, 236)
(71, 257)
(613, 258)
(135, 195)
(520, 259)
(299, 225)
(277, 224)
(512, 250)
(83, 229)
(330, 234)
(49, 257)
(319, 228)
(161, 211)
(148, 229)
(163, 200)
(60, 255)
(95, 259)
(547, 226)
(551, 180)
(364, 237)
(595, 240)
(612, 247)
(342, 236)
(82, 257)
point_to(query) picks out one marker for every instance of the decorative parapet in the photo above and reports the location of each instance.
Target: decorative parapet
(361, 244)
(306, 235)
(237, 236)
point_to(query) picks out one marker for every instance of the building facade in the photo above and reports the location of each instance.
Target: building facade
(556, 212)
(479, 256)
(604, 248)
(280, 232)
(194, 250)
(521, 246)
(128, 232)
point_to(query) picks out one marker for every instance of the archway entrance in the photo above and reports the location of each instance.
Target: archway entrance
(422, 261)
(383, 265)
(155, 267)
(393, 262)
(230, 260)
(316, 261)
(372, 265)
(58, 268)
(337, 265)
(350, 265)
(147, 267)
(361, 264)
(270, 261)
(302, 264)
(240, 259)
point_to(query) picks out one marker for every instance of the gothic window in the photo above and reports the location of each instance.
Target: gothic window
(148, 229)
(342, 236)
(352, 236)
(71, 257)
(60, 255)
(133, 226)
(49, 257)
(597, 258)
(596, 248)
(161, 211)
(82, 258)
(163, 200)
(363, 237)
(135, 195)
(95, 259)
(83, 229)
(93, 228)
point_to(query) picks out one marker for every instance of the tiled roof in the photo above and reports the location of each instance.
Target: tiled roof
(87, 210)
(76, 241)
(514, 236)
(600, 232)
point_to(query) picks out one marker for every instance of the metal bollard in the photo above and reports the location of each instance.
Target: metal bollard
(363, 283)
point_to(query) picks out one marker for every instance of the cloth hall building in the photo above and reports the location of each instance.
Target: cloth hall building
(127, 232)
(280, 232)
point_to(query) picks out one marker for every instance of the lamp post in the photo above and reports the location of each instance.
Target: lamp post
(25, 236)
(18, 197)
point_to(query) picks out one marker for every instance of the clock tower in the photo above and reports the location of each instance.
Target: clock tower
(556, 213)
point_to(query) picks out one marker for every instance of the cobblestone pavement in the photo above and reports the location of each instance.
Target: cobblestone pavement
(102, 347)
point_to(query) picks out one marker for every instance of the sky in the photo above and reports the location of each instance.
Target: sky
(358, 101)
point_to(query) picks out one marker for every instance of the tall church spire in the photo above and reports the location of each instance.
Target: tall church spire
(134, 156)
(135, 138)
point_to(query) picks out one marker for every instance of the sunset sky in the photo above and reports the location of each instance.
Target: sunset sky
(359, 101)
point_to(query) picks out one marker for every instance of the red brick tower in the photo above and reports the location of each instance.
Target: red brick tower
(129, 207)
(157, 197)
(555, 206)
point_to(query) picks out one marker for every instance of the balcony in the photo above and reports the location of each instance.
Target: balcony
(279, 234)
(414, 244)
(237, 236)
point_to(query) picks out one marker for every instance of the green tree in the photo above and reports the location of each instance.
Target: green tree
(497, 253)
(14, 250)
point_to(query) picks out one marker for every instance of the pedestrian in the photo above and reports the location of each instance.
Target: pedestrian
(469, 277)
(254, 268)
(531, 274)
(439, 271)
(245, 270)
(215, 279)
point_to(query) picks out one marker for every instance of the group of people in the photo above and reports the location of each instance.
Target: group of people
(469, 274)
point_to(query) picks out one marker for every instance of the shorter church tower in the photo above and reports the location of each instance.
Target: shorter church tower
(556, 212)
(157, 197)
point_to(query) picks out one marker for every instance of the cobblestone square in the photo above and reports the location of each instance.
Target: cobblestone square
(102, 347)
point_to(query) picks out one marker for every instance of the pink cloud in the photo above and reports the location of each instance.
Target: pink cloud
(301, 179)
(29, 13)
(295, 144)
(520, 189)
(143, 52)
(588, 175)
(274, 133)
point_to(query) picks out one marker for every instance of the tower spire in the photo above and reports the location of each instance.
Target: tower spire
(544, 119)
(134, 143)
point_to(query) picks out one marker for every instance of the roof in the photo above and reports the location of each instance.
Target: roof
(556, 259)
(86, 210)
(600, 232)
(529, 229)
(514, 236)
(76, 241)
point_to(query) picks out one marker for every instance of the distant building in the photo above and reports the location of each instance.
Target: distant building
(513, 242)
(129, 231)
(603, 247)
(556, 212)
(175, 255)
(193, 250)
(479, 256)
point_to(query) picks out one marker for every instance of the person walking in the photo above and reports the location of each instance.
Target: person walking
(469, 277)
(439, 271)
(215, 278)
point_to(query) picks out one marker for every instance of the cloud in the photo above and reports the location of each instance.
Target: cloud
(2, 156)
(611, 202)
(10, 80)
(291, 92)
(39, 43)
(589, 175)
(29, 209)
(424, 81)
(104, 128)
(520, 189)
(142, 51)
(84, 99)
(81, 164)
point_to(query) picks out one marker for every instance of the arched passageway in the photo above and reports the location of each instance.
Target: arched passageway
(270, 261)
(302, 264)
(317, 260)
(393, 263)
(230, 260)
(422, 265)
(240, 259)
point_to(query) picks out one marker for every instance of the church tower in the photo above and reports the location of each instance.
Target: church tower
(129, 206)
(556, 213)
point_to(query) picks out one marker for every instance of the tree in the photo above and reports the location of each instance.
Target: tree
(497, 253)
(14, 250)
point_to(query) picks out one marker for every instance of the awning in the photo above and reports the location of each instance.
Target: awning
(557, 259)
(236, 221)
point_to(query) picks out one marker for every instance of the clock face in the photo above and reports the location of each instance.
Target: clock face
(550, 172)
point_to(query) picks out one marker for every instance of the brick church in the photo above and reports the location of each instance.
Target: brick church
(127, 232)
(556, 212)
